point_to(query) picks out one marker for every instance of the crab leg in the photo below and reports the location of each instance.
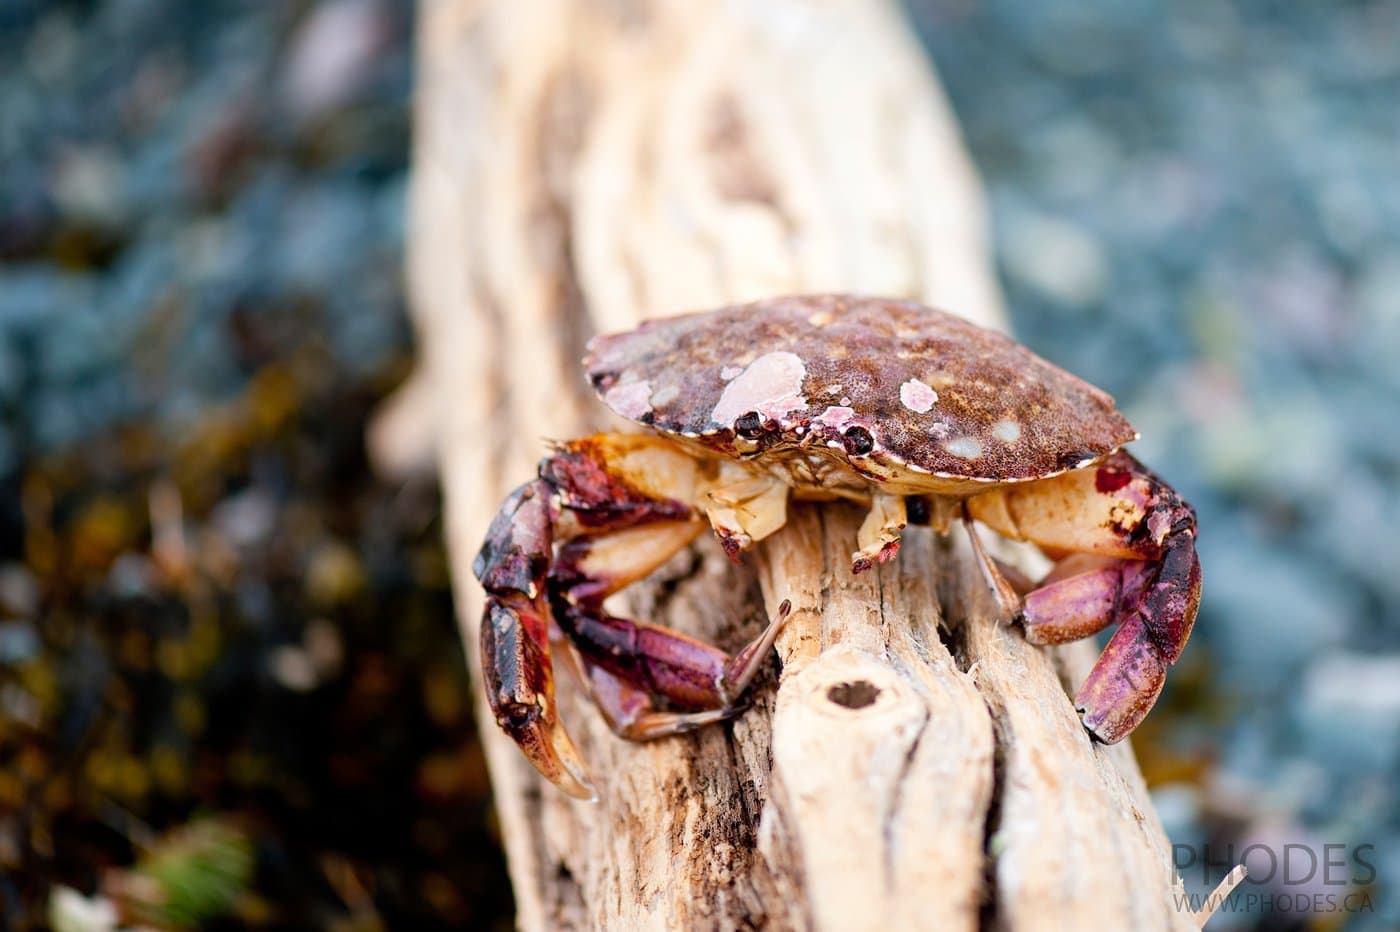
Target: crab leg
(631, 712)
(1007, 598)
(878, 537)
(615, 507)
(650, 659)
(745, 510)
(630, 666)
(1150, 585)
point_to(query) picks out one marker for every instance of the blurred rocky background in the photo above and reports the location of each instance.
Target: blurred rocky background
(1197, 207)
(230, 685)
(231, 689)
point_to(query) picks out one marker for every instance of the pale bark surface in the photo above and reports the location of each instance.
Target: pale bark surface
(582, 165)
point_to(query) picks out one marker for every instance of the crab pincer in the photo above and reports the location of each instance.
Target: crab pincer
(515, 637)
(603, 513)
(1143, 575)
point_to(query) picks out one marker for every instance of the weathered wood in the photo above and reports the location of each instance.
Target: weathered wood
(580, 165)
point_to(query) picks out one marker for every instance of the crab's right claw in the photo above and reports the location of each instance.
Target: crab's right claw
(1124, 684)
(520, 691)
(1144, 576)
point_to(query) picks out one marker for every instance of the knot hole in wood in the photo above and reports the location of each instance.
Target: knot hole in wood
(854, 695)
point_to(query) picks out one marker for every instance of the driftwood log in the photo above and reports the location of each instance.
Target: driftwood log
(582, 164)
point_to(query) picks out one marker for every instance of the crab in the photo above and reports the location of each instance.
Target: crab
(915, 414)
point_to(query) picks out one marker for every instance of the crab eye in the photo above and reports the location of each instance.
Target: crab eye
(858, 441)
(749, 425)
(1076, 458)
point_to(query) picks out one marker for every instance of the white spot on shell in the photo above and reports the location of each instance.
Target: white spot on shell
(1008, 431)
(666, 395)
(836, 417)
(631, 400)
(917, 396)
(770, 385)
(969, 448)
(845, 400)
(729, 373)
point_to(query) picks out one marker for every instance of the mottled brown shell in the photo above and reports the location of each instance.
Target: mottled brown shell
(887, 387)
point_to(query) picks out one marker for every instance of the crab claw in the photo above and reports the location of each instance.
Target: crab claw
(515, 636)
(548, 746)
(1133, 563)
(520, 691)
(1124, 684)
(605, 511)
(1127, 678)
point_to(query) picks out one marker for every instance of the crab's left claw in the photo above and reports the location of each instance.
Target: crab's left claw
(515, 637)
(605, 511)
